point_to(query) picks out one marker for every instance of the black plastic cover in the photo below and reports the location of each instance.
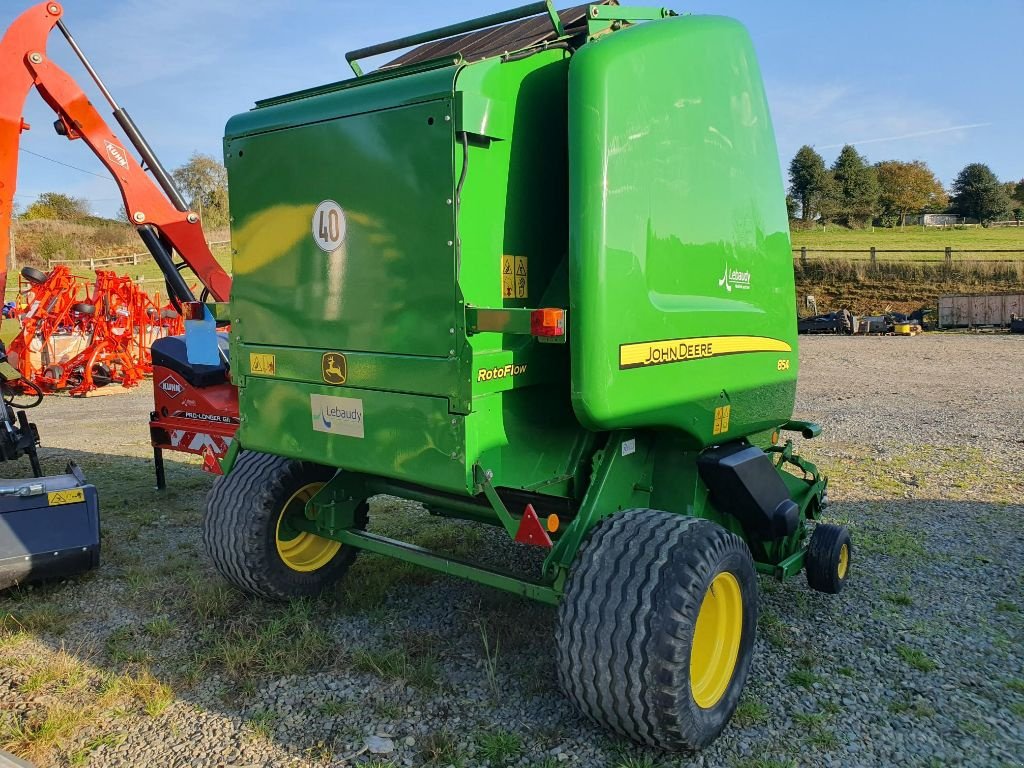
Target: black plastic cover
(52, 534)
(169, 352)
(744, 483)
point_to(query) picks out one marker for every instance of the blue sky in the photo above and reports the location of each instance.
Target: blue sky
(935, 81)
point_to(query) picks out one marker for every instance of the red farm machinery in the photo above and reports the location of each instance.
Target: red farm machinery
(114, 323)
(79, 336)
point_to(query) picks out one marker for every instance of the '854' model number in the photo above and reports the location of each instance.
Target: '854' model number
(783, 364)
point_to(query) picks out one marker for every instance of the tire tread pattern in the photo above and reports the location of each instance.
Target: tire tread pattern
(626, 623)
(239, 509)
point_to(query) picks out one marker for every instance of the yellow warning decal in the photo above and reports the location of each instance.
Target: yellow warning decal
(646, 353)
(722, 415)
(70, 496)
(515, 277)
(262, 364)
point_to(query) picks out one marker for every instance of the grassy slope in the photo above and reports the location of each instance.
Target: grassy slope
(841, 280)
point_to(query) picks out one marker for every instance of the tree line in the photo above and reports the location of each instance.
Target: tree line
(855, 193)
(203, 182)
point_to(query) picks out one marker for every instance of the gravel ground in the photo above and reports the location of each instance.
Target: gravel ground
(919, 662)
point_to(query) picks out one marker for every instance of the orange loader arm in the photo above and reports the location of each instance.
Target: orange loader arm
(152, 203)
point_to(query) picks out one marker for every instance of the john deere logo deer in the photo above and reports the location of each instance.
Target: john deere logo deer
(733, 278)
(172, 386)
(117, 154)
(334, 368)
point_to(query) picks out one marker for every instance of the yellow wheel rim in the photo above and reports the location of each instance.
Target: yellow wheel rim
(716, 640)
(844, 561)
(301, 551)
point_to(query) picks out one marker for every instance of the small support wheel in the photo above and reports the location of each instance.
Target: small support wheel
(656, 631)
(83, 309)
(34, 275)
(829, 554)
(250, 535)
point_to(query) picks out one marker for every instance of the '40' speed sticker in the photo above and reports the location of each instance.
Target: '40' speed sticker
(329, 226)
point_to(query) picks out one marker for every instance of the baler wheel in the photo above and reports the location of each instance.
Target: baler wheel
(827, 562)
(656, 630)
(247, 534)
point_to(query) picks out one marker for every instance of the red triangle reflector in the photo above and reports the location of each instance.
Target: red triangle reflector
(531, 531)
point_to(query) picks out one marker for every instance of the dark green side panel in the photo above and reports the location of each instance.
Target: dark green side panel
(678, 235)
(390, 285)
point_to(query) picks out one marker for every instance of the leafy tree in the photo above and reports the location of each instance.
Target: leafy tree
(978, 194)
(809, 182)
(204, 183)
(856, 188)
(1018, 192)
(791, 207)
(55, 205)
(908, 188)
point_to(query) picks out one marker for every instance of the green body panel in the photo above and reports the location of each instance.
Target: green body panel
(676, 186)
(390, 287)
(618, 182)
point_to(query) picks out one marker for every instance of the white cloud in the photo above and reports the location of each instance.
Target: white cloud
(829, 116)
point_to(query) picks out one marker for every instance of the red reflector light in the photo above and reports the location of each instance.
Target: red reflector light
(547, 322)
(194, 310)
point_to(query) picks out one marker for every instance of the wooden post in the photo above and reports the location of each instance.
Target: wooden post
(803, 256)
(949, 257)
(874, 257)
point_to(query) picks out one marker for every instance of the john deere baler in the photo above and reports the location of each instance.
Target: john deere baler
(536, 275)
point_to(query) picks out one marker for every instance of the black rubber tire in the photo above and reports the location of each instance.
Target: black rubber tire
(34, 275)
(822, 561)
(84, 309)
(102, 375)
(240, 527)
(626, 625)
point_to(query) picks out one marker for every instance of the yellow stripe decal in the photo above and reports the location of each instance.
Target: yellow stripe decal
(645, 353)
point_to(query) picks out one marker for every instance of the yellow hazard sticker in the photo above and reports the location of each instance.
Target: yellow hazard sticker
(515, 277)
(70, 496)
(722, 415)
(648, 353)
(262, 364)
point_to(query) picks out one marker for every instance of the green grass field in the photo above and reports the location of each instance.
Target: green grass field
(924, 238)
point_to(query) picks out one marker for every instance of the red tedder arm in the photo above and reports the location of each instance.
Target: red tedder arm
(24, 64)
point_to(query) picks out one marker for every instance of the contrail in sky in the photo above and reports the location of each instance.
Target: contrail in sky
(910, 135)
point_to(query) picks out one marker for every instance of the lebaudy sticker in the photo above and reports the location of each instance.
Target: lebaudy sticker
(337, 415)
